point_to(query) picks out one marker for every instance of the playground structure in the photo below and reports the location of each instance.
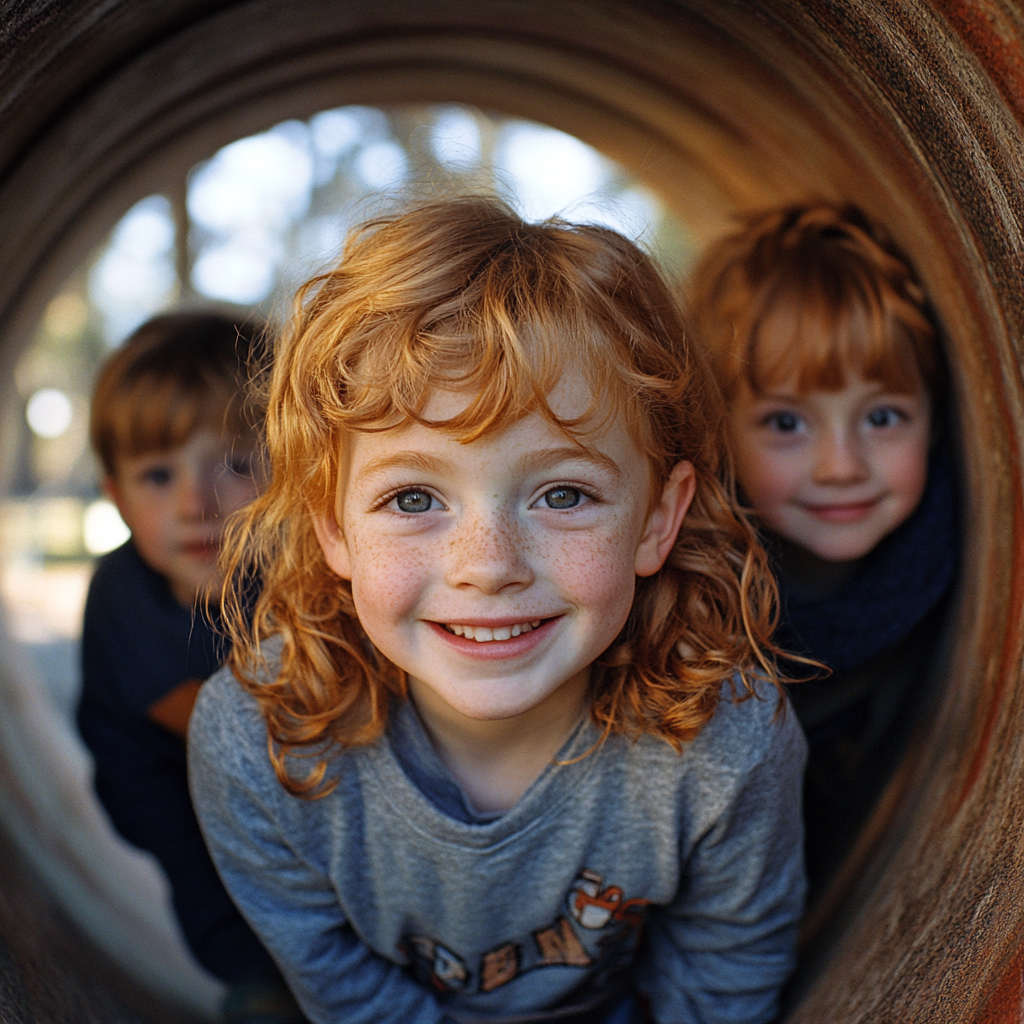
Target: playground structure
(913, 110)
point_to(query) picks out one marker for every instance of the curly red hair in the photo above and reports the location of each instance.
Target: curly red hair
(463, 293)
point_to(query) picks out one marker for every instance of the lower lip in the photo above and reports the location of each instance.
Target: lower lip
(495, 650)
(842, 513)
(203, 551)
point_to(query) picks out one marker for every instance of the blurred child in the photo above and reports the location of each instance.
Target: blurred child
(545, 761)
(176, 452)
(821, 340)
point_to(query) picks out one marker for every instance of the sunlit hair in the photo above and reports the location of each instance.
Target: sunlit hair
(175, 374)
(462, 294)
(812, 294)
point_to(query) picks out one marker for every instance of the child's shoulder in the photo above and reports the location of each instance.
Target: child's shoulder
(227, 723)
(228, 728)
(750, 749)
(747, 730)
(223, 704)
(124, 589)
(745, 734)
(120, 572)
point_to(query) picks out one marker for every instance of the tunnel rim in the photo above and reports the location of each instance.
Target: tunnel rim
(790, 18)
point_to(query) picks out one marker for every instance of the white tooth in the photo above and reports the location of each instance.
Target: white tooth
(467, 632)
(481, 634)
(535, 623)
(503, 633)
(517, 629)
(457, 630)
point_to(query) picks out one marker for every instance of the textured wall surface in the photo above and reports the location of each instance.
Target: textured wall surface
(912, 109)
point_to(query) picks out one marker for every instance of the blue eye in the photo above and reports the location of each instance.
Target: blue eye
(160, 476)
(885, 416)
(414, 501)
(784, 422)
(562, 497)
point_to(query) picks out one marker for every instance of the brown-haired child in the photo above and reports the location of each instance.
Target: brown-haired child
(176, 449)
(511, 637)
(822, 341)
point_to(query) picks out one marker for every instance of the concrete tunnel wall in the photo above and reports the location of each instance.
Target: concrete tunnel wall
(914, 110)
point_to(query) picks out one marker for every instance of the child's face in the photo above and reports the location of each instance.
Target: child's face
(175, 503)
(832, 471)
(495, 572)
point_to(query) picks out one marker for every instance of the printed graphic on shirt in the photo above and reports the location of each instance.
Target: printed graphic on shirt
(593, 907)
(601, 930)
(434, 965)
(499, 966)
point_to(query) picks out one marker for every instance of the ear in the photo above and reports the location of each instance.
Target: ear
(665, 519)
(333, 545)
(112, 490)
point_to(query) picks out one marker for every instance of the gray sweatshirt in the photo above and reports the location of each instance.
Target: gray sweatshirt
(679, 875)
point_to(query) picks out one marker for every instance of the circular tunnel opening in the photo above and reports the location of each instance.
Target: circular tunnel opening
(716, 108)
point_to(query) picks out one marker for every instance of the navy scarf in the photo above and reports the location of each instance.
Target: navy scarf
(892, 589)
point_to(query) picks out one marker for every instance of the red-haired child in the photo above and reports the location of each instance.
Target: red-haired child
(501, 742)
(822, 341)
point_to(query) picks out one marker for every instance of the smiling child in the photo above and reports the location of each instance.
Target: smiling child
(509, 647)
(822, 342)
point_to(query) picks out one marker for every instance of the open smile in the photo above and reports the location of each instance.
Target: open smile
(485, 634)
(495, 639)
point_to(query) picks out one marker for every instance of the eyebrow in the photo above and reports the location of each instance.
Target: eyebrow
(548, 458)
(542, 458)
(406, 460)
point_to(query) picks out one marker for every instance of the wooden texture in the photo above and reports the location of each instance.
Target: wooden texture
(912, 109)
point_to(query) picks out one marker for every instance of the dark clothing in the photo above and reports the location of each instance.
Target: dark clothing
(880, 633)
(138, 644)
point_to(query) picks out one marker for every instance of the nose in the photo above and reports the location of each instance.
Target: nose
(839, 458)
(487, 552)
(197, 499)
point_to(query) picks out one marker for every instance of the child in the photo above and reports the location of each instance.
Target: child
(176, 453)
(822, 343)
(544, 759)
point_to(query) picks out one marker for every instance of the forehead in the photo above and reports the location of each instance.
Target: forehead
(571, 399)
(534, 440)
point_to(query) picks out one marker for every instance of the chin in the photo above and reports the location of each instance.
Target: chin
(483, 712)
(843, 551)
(488, 707)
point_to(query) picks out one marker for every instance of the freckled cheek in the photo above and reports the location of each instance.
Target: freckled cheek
(387, 583)
(599, 575)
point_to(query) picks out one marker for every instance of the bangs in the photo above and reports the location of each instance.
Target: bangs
(176, 373)
(153, 415)
(819, 346)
